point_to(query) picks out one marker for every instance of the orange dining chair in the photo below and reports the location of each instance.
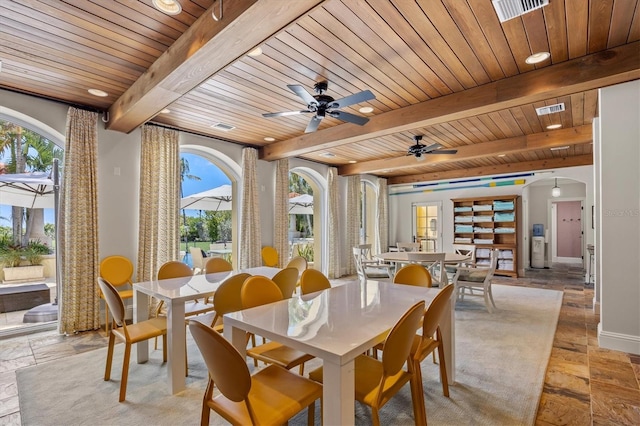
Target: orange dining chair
(313, 280)
(271, 396)
(377, 381)
(117, 270)
(413, 274)
(129, 334)
(257, 291)
(226, 299)
(287, 280)
(269, 256)
(217, 264)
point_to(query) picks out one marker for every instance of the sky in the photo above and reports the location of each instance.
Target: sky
(210, 177)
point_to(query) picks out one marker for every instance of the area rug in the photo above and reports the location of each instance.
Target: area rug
(501, 362)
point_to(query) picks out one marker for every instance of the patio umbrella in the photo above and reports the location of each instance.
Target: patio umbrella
(301, 204)
(31, 190)
(216, 199)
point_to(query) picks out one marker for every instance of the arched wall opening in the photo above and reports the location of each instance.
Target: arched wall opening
(318, 184)
(234, 172)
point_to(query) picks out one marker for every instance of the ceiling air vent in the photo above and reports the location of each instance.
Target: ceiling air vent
(550, 109)
(509, 9)
(223, 127)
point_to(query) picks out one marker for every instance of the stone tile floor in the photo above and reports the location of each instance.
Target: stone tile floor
(584, 384)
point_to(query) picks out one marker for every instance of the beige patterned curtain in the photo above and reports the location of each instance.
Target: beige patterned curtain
(78, 222)
(158, 234)
(333, 239)
(381, 242)
(354, 215)
(281, 236)
(250, 242)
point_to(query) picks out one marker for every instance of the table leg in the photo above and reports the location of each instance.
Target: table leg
(176, 346)
(338, 391)
(141, 313)
(237, 337)
(447, 328)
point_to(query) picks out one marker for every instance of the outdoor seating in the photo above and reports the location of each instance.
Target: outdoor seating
(197, 260)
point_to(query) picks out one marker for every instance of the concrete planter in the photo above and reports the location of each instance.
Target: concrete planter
(23, 274)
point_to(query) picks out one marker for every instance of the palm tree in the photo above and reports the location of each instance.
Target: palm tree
(184, 174)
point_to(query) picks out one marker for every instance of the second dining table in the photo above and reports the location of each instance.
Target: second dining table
(400, 257)
(336, 325)
(175, 292)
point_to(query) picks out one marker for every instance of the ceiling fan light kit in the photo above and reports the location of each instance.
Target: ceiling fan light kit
(322, 105)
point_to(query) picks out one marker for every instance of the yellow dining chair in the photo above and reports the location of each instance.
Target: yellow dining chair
(226, 299)
(269, 256)
(257, 291)
(287, 280)
(117, 270)
(217, 264)
(271, 396)
(129, 334)
(413, 274)
(313, 280)
(431, 339)
(377, 381)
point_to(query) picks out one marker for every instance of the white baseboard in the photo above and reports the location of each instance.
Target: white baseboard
(567, 260)
(618, 342)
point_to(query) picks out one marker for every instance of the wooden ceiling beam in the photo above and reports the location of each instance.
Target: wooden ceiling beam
(524, 166)
(589, 72)
(551, 139)
(204, 49)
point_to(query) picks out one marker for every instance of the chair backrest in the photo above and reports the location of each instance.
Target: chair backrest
(431, 261)
(298, 262)
(313, 280)
(466, 250)
(397, 345)
(197, 260)
(365, 251)
(258, 290)
(357, 257)
(435, 311)
(114, 301)
(217, 264)
(174, 269)
(269, 256)
(227, 368)
(413, 274)
(117, 270)
(408, 246)
(227, 297)
(287, 280)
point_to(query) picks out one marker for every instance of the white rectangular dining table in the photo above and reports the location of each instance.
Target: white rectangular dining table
(336, 325)
(175, 292)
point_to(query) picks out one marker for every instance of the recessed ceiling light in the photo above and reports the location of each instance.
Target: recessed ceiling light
(554, 126)
(327, 155)
(502, 155)
(269, 139)
(352, 161)
(366, 110)
(165, 111)
(536, 58)
(97, 92)
(170, 7)
(255, 52)
(559, 148)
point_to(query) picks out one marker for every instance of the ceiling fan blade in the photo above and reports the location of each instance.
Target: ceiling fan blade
(284, 113)
(313, 124)
(443, 151)
(351, 118)
(302, 92)
(356, 98)
(427, 149)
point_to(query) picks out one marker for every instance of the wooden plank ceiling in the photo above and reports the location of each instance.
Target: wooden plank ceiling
(445, 69)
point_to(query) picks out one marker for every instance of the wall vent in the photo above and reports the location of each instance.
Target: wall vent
(509, 9)
(550, 109)
(223, 127)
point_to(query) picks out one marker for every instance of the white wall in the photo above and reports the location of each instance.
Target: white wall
(618, 219)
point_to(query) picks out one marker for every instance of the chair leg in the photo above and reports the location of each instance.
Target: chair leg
(375, 417)
(206, 411)
(311, 413)
(107, 370)
(125, 371)
(486, 301)
(491, 295)
(164, 348)
(419, 410)
(106, 318)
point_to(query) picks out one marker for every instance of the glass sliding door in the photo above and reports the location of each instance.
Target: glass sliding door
(427, 226)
